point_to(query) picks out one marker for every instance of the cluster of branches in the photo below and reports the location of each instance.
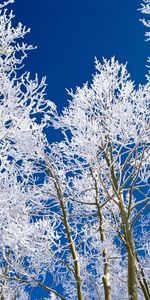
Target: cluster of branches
(73, 214)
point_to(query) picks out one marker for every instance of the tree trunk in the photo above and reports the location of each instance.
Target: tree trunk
(132, 270)
(73, 251)
(106, 277)
(143, 281)
(106, 268)
(132, 275)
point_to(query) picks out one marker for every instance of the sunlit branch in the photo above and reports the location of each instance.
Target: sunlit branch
(139, 213)
(140, 202)
(19, 280)
(68, 232)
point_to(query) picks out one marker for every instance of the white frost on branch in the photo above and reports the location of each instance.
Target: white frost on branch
(145, 9)
(5, 3)
(60, 203)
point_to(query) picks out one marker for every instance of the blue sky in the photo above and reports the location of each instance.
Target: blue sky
(70, 33)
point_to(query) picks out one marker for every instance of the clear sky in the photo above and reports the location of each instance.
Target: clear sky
(70, 33)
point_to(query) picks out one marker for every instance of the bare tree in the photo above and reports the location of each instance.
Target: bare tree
(74, 213)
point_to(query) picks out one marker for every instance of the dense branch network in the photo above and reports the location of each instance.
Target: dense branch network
(73, 214)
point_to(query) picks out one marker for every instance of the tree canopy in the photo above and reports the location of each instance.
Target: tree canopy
(74, 214)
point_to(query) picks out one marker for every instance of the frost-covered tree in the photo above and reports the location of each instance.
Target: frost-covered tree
(73, 214)
(21, 152)
(145, 9)
(106, 133)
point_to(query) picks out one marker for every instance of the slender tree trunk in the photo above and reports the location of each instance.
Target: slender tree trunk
(73, 251)
(106, 268)
(132, 273)
(144, 289)
(74, 255)
(132, 268)
(143, 281)
(106, 276)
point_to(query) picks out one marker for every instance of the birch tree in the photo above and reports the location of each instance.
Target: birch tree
(73, 214)
(106, 127)
(21, 148)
